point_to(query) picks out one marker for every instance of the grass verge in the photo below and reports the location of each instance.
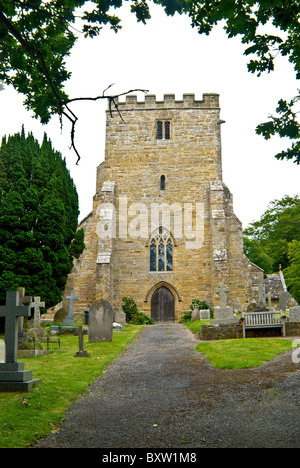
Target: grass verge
(243, 353)
(25, 417)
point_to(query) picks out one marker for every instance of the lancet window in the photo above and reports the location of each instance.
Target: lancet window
(163, 130)
(161, 251)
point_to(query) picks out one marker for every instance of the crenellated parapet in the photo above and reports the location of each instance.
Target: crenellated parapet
(209, 100)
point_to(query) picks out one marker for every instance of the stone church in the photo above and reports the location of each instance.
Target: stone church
(162, 230)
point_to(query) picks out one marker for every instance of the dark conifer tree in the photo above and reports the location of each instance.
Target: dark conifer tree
(38, 218)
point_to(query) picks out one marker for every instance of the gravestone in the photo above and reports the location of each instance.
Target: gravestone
(195, 314)
(120, 317)
(205, 314)
(284, 299)
(294, 314)
(36, 304)
(13, 377)
(60, 315)
(223, 313)
(101, 321)
(70, 318)
(261, 282)
(80, 333)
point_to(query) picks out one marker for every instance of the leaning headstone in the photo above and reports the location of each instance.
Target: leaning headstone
(223, 313)
(80, 332)
(284, 299)
(70, 319)
(60, 315)
(294, 314)
(101, 321)
(13, 377)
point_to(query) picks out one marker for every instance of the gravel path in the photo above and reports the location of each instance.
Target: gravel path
(161, 393)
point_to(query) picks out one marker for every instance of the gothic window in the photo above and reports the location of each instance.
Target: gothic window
(161, 251)
(162, 182)
(163, 130)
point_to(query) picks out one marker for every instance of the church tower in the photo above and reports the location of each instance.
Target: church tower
(162, 229)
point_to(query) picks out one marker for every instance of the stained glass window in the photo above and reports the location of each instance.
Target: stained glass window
(161, 251)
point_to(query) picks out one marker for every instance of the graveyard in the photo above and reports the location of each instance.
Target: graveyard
(35, 393)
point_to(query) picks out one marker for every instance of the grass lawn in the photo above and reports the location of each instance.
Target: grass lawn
(239, 353)
(25, 417)
(243, 353)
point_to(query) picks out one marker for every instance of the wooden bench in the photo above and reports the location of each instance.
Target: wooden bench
(266, 319)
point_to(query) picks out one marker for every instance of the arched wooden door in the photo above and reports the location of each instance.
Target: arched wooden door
(163, 305)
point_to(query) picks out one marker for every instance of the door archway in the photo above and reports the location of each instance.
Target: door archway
(163, 305)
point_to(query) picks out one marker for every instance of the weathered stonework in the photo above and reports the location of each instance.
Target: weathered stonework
(129, 180)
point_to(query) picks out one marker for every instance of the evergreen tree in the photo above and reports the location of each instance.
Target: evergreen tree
(38, 219)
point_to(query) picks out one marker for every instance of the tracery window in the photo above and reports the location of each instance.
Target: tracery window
(163, 130)
(161, 251)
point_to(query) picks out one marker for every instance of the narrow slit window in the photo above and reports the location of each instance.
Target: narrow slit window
(159, 133)
(167, 130)
(162, 182)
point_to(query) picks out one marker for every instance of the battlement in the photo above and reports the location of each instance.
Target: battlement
(209, 100)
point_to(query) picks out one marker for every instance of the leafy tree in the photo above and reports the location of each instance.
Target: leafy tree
(256, 254)
(36, 37)
(38, 219)
(275, 240)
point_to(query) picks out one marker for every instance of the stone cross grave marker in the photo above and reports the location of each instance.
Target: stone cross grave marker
(71, 298)
(223, 313)
(36, 304)
(222, 291)
(100, 321)
(261, 282)
(13, 377)
(80, 333)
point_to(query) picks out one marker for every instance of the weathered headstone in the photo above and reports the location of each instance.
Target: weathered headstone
(205, 314)
(294, 314)
(70, 318)
(120, 317)
(80, 332)
(284, 299)
(223, 313)
(195, 314)
(36, 304)
(101, 321)
(261, 282)
(13, 377)
(60, 315)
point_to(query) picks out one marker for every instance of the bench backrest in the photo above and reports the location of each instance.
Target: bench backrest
(262, 318)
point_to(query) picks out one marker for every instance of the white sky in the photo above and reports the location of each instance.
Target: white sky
(168, 56)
